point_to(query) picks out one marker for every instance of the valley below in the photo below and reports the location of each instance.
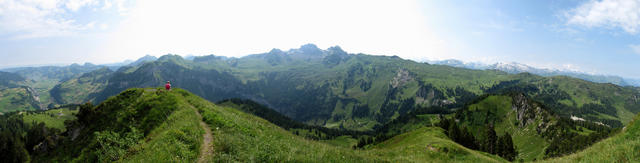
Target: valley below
(310, 105)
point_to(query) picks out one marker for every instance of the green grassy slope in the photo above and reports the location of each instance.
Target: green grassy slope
(43, 79)
(139, 125)
(498, 110)
(428, 144)
(15, 95)
(16, 99)
(536, 131)
(623, 147)
(242, 137)
(152, 125)
(81, 89)
(357, 91)
(51, 118)
(607, 103)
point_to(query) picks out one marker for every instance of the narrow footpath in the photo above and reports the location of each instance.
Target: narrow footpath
(206, 150)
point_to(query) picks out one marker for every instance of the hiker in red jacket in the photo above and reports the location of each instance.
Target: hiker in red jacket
(167, 86)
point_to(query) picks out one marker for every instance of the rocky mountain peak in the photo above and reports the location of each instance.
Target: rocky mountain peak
(310, 49)
(336, 50)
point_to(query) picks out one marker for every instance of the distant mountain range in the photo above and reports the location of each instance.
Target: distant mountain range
(515, 68)
(499, 109)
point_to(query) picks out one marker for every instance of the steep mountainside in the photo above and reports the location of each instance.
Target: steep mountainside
(356, 91)
(43, 79)
(80, 89)
(156, 125)
(15, 95)
(11, 80)
(245, 138)
(20, 98)
(606, 103)
(150, 125)
(622, 147)
(536, 131)
(53, 72)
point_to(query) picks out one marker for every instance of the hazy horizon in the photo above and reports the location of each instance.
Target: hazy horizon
(597, 37)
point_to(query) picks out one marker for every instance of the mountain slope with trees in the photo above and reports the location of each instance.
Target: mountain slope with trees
(141, 125)
(356, 91)
(622, 147)
(15, 95)
(535, 131)
(152, 124)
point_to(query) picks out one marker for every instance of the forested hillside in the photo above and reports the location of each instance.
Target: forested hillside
(142, 125)
(336, 89)
(622, 147)
(154, 124)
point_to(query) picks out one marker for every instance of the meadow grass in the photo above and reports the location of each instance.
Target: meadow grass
(51, 118)
(241, 137)
(178, 139)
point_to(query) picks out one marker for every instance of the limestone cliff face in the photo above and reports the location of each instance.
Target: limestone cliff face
(401, 78)
(529, 113)
(430, 96)
(35, 96)
(525, 113)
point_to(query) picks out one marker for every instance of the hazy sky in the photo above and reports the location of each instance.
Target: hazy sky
(597, 36)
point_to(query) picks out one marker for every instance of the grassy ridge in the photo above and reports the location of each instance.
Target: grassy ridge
(428, 144)
(139, 125)
(177, 139)
(152, 125)
(242, 137)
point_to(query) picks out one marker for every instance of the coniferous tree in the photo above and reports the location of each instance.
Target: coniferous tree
(444, 124)
(454, 132)
(509, 150)
(361, 142)
(490, 140)
(468, 140)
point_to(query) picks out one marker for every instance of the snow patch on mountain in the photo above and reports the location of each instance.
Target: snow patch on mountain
(567, 70)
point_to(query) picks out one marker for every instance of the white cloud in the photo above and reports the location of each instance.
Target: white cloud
(107, 4)
(623, 14)
(238, 28)
(74, 5)
(104, 26)
(635, 48)
(24, 19)
(122, 6)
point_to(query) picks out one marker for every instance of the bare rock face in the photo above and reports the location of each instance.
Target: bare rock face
(528, 112)
(401, 78)
(525, 112)
(430, 96)
(35, 96)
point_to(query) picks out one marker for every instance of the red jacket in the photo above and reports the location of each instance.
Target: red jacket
(167, 86)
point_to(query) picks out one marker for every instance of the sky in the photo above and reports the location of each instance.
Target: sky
(593, 36)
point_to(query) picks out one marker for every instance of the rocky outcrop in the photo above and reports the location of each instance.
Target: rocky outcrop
(335, 55)
(401, 78)
(525, 113)
(35, 98)
(431, 96)
(528, 112)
